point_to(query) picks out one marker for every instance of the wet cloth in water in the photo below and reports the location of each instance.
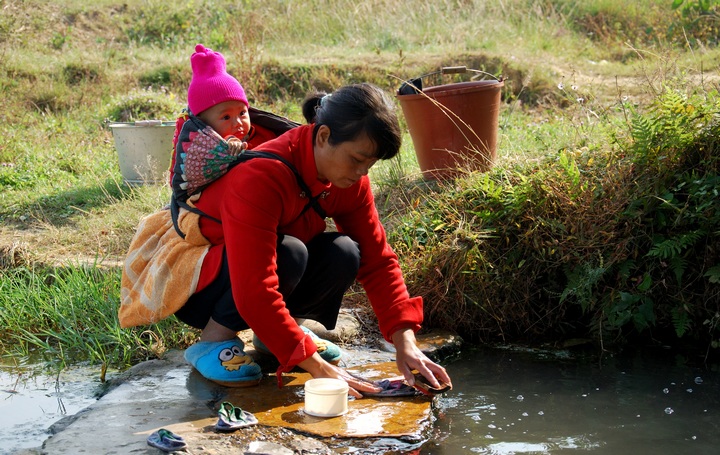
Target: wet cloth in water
(390, 387)
(397, 387)
(394, 387)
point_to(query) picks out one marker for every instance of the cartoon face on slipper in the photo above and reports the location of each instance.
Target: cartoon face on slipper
(321, 344)
(233, 358)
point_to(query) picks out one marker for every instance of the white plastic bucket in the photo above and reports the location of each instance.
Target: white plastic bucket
(144, 150)
(326, 397)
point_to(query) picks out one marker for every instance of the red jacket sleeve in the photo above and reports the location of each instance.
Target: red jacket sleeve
(380, 273)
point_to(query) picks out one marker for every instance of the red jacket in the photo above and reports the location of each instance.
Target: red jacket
(260, 198)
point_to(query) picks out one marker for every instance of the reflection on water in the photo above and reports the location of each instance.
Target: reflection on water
(30, 404)
(504, 402)
(513, 401)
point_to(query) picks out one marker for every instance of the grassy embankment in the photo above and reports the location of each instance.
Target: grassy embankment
(598, 220)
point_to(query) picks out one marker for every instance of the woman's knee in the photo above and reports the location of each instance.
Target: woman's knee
(292, 260)
(292, 252)
(347, 253)
(348, 248)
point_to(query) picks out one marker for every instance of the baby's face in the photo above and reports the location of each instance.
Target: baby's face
(229, 118)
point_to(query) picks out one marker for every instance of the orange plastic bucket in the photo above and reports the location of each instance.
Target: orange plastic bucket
(454, 127)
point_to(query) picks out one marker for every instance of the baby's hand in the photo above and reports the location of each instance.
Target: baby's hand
(236, 146)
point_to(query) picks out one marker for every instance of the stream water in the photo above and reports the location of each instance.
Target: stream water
(30, 403)
(514, 401)
(504, 401)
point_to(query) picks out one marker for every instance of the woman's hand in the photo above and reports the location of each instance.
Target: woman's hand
(410, 357)
(318, 368)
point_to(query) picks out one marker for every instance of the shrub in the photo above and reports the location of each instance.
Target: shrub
(610, 242)
(698, 22)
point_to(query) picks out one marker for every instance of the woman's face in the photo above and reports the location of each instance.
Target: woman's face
(343, 164)
(229, 118)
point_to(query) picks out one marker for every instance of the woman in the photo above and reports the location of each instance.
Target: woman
(272, 263)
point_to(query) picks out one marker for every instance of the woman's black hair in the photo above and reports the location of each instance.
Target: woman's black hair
(310, 105)
(353, 110)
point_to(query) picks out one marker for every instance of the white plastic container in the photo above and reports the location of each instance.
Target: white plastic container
(325, 397)
(144, 150)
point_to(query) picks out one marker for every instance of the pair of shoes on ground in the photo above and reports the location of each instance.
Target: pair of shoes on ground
(224, 362)
(231, 418)
(329, 351)
(166, 440)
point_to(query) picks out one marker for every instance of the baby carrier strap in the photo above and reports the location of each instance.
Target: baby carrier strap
(273, 122)
(313, 201)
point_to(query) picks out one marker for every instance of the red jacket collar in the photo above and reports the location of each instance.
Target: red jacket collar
(298, 147)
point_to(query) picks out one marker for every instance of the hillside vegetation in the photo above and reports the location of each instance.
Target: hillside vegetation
(599, 220)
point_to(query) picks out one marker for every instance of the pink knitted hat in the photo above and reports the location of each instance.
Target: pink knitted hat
(211, 84)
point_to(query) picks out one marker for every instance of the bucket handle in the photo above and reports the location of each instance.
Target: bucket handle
(414, 86)
(461, 70)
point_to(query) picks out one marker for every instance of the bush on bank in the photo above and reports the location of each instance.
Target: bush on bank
(607, 244)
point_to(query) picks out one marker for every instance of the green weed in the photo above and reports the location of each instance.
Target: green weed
(143, 105)
(69, 314)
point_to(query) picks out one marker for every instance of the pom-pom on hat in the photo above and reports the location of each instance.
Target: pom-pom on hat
(211, 84)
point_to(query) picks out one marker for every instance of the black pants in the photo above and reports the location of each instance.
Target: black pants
(313, 279)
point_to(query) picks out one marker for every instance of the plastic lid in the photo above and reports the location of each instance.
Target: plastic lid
(326, 386)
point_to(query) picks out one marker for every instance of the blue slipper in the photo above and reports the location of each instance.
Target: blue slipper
(329, 351)
(166, 440)
(231, 418)
(224, 362)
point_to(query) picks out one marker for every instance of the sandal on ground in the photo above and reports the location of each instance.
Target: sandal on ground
(231, 418)
(329, 351)
(166, 440)
(224, 362)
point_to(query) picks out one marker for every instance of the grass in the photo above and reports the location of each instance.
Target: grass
(67, 315)
(578, 73)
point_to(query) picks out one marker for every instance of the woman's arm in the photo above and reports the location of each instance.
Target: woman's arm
(318, 368)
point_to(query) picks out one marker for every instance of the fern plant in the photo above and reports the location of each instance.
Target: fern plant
(675, 153)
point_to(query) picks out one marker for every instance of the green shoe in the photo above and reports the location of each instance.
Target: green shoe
(329, 351)
(231, 418)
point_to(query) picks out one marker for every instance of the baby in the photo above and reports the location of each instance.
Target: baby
(216, 128)
(218, 99)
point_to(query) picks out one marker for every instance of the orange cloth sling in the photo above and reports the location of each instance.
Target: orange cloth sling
(161, 269)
